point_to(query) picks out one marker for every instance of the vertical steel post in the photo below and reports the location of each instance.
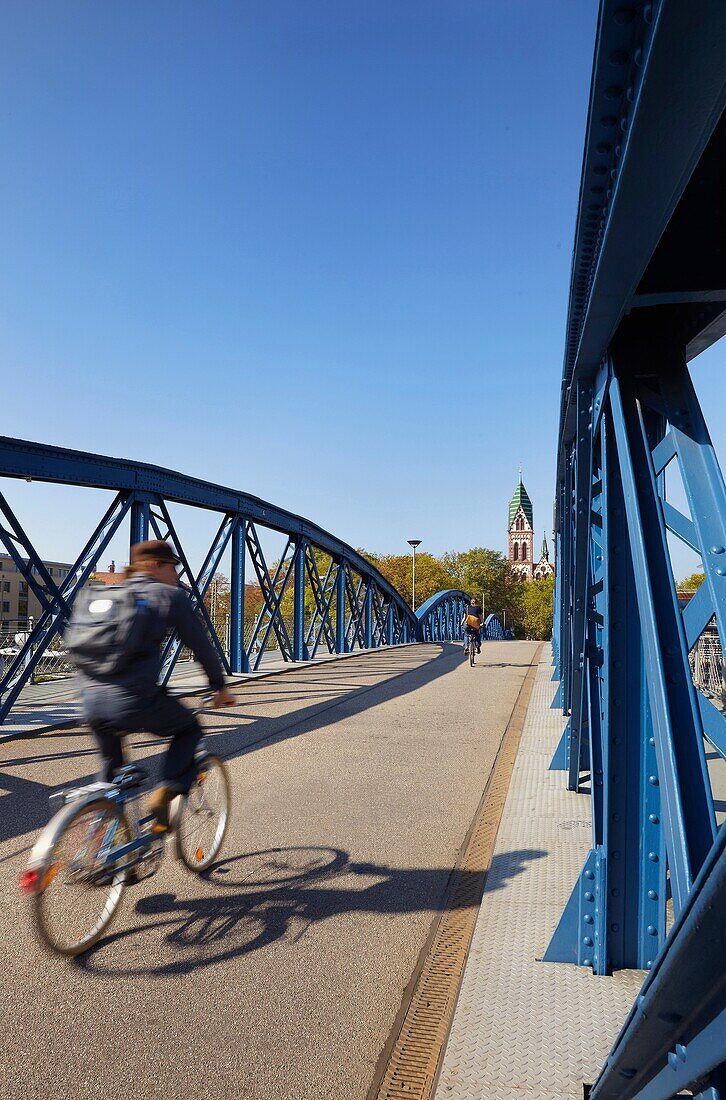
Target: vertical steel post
(238, 659)
(368, 613)
(340, 642)
(140, 510)
(579, 728)
(678, 731)
(299, 649)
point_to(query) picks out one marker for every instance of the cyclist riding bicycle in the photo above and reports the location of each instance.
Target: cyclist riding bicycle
(472, 622)
(114, 638)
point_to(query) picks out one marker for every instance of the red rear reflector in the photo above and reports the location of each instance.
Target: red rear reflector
(29, 882)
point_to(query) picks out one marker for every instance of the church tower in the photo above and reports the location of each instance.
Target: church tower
(521, 532)
(544, 567)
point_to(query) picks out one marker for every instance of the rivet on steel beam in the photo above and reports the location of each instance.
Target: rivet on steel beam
(653, 819)
(588, 918)
(651, 740)
(721, 572)
(614, 927)
(653, 895)
(590, 874)
(628, 1073)
(587, 941)
(638, 57)
(648, 964)
(653, 780)
(652, 930)
(718, 549)
(681, 1051)
(615, 892)
(653, 857)
(587, 962)
(672, 1060)
(589, 896)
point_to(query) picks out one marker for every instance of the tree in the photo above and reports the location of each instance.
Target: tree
(537, 598)
(432, 574)
(486, 575)
(692, 583)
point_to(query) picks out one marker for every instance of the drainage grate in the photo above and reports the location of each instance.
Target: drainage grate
(416, 1052)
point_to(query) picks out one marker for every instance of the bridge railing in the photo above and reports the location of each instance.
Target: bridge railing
(637, 476)
(316, 595)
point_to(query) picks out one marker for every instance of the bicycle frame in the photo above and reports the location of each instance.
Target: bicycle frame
(140, 841)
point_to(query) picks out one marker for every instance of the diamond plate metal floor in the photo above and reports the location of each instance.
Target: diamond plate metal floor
(523, 1029)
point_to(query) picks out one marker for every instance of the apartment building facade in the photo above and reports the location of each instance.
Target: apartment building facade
(18, 602)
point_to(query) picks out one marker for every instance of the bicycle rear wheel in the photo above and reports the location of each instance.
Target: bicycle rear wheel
(472, 650)
(79, 888)
(203, 815)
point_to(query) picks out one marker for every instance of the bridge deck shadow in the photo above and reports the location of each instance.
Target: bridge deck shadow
(235, 731)
(266, 896)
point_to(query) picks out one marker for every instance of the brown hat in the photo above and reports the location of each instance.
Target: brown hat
(153, 550)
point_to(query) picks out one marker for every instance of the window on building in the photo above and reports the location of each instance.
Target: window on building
(23, 589)
(6, 586)
(6, 607)
(516, 551)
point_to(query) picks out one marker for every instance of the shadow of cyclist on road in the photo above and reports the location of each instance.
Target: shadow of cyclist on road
(277, 894)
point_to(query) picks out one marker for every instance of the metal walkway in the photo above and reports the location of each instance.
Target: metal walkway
(525, 1029)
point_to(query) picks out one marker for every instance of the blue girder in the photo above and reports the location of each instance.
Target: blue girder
(648, 292)
(352, 607)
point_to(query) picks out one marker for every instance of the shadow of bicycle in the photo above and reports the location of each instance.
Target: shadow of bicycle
(277, 894)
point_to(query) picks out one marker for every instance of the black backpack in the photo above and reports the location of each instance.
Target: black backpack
(107, 629)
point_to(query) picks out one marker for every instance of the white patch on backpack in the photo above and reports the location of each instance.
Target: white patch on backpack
(99, 607)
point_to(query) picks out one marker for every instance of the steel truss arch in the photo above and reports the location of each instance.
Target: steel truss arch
(339, 601)
(353, 605)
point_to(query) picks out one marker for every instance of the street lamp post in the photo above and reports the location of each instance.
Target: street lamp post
(413, 543)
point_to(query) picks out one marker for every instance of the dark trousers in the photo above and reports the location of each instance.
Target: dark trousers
(113, 713)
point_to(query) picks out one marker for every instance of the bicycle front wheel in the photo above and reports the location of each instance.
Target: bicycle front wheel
(80, 889)
(203, 815)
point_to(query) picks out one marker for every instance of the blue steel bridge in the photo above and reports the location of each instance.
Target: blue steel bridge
(627, 960)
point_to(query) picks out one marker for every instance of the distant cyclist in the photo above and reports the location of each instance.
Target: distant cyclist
(114, 638)
(472, 622)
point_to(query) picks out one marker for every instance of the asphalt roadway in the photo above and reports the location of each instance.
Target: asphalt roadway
(281, 973)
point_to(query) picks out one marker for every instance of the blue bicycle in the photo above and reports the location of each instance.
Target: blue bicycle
(96, 845)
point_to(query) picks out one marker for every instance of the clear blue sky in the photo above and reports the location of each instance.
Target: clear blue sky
(316, 250)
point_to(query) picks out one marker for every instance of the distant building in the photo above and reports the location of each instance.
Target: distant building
(18, 602)
(544, 567)
(520, 550)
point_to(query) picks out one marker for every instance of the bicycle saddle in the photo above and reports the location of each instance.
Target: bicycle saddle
(131, 775)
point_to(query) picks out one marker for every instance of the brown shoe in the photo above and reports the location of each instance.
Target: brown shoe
(159, 804)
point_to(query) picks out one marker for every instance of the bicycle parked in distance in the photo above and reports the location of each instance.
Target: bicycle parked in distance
(96, 845)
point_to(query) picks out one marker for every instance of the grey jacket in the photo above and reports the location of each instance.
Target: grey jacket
(170, 610)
